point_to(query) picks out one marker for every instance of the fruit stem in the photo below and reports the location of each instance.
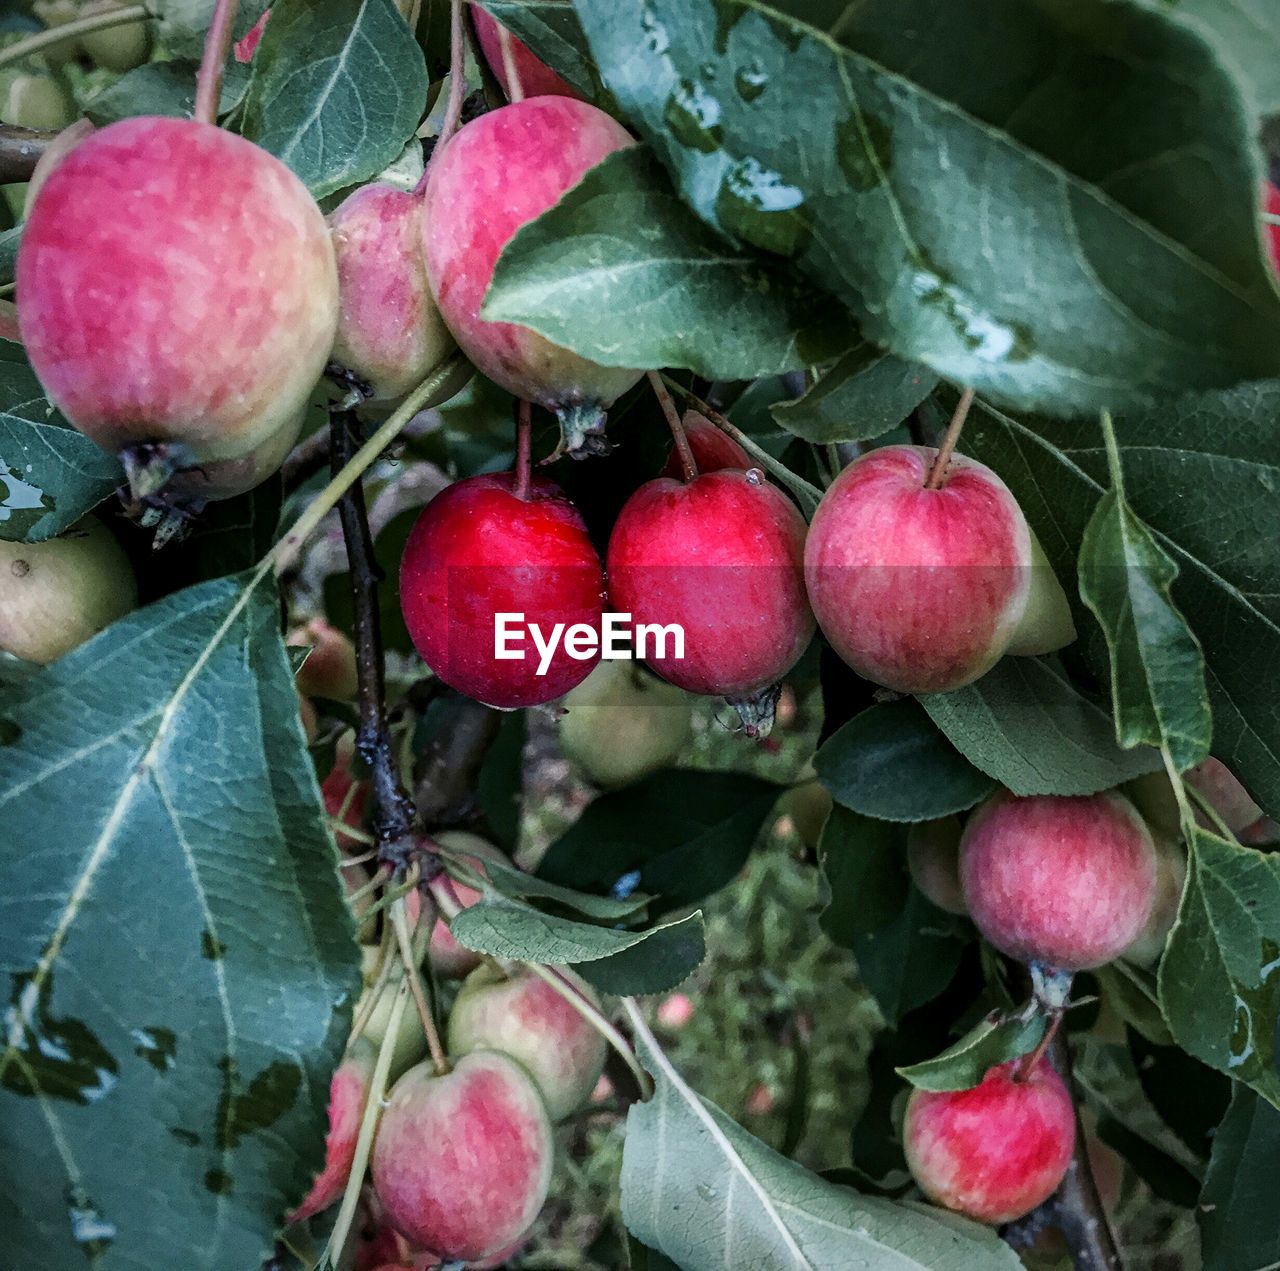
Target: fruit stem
(1033, 1057)
(368, 1124)
(524, 449)
(683, 449)
(598, 1021)
(1181, 793)
(515, 89)
(808, 495)
(217, 44)
(400, 921)
(81, 26)
(939, 472)
(457, 76)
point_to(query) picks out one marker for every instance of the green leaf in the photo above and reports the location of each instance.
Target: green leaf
(1220, 976)
(1075, 227)
(338, 88)
(506, 928)
(701, 1190)
(163, 88)
(182, 962)
(995, 1040)
(1236, 1212)
(891, 762)
(1201, 472)
(552, 30)
(1246, 34)
(515, 884)
(677, 835)
(1131, 992)
(1158, 693)
(183, 23)
(866, 393)
(1028, 727)
(674, 294)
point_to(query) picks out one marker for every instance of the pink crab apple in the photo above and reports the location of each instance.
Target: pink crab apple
(721, 556)
(479, 549)
(348, 1092)
(713, 449)
(1171, 876)
(1063, 881)
(449, 959)
(536, 78)
(1272, 205)
(390, 333)
(524, 1017)
(177, 292)
(923, 590)
(496, 175)
(462, 1161)
(933, 857)
(995, 1152)
(56, 595)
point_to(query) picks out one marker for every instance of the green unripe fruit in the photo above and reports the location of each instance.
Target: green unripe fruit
(410, 1044)
(56, 595)
(621, 723)
(116, 48)
(29, 99)
(808, 806)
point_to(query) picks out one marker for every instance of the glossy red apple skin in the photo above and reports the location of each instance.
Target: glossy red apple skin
(478, 550)
(176, 283)
(916, 589)
(537, 79)
(996, 1151)
(1064, 881)
(348, 1091)
(390, 333)
(496, 175)
(713, 449)
(524, 1017)
(722, 557)
(1272, 205)
(462, 1163)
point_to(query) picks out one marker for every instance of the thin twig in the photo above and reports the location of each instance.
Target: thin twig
(457, 75)
(939, 471)
(217, 44)
(688, 463)
(524, 449)
(393, 810)
(515, 89)
(69, 30)
(20, 150)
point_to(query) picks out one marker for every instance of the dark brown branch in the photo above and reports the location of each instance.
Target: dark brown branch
(446, 774)
(393, 810)
(20, 151)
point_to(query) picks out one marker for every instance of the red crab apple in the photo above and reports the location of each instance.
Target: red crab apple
(933, 857)
(348, 1091)
(495, 176)
(1171, 875)
(621, 723)
(1063, 881)
(462, 1162)
(524, 1017)
(721, 557)
(713, 449)
(535, 78)
(449, 959)
(55, 595)
(390, 333)
(996, 1151)
(177, 292)
(1272, 205)
(479, 550)
(923, 590)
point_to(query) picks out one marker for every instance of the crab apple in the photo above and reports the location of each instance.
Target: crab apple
(390, 333)
(1066, 881)
(933, 857)
(462, 1161)
(410, 1044)
(479, 550)
(449, 959)
(57, 149)
(923, 590)
(55, 595)
(330, 668)
(496, 175)
(721, 557)
(808, 806)
(713, 449)
(621, 723)
(524, 1017)
(534, 77)
(118, 48)
(1272, 204)
(217, 479)
(996, 1151)
(1171, 876)
(29, 99)
(1153, 794)
(348, 1091)
(177, 291)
